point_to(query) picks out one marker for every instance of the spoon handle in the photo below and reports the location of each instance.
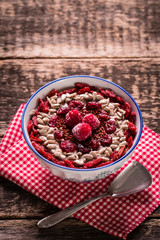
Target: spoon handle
(59, 216)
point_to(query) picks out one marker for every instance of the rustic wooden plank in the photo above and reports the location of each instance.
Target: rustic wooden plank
(18, 203)
(71, 229)
(20, 78)
(83, 28)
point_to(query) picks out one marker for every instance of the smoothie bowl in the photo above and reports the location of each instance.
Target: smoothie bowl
(82, 128)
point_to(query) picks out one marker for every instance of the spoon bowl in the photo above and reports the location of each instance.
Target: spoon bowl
(134, 178)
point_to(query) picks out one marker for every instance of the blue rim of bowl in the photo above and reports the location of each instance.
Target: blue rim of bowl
(76, 169)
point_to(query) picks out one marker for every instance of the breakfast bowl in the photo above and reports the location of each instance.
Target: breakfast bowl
(120, 118)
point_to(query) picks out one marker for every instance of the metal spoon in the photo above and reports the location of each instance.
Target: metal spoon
(134, 178)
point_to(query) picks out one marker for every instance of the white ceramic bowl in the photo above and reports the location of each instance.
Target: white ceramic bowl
(80, 175)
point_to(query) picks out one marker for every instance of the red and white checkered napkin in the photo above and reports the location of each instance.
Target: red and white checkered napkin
(117, 216)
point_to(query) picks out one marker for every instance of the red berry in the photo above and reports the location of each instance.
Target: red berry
(62, 110)
(83, 90)
(75, 104)
(107, 141)
(52, 121)
(110, 126)
(95, 144)
(67, 146)
(93, 105)
(104, 115)
(132, 127)
(58, 134)
(82, 131)
(110, 93)
(92, 120)
(132, 116)
(81, 85)
(83, 149)
(119, 99)
(73, 117)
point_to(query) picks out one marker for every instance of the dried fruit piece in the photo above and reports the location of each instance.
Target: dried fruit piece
(93, 105)
(93, 163)
(83, 90)
(83, 149)
(52, 121)
(29, 126)
(104, 115)
(69, 163)
(82, 131)
(34, 119)
(73, 117)
(120, 100)
(121, 152)
(95, 144)
(81, 85)
(62, 110)
(132, 127)
(110, 126)
(106, 141)
(114, 156)
(110, 93)
(92, 120)
(69, 90)
(132, 116)
(76, 104)
(52, 93)
(58, 134)
(67, 146)
(104, 163)
(130, 141)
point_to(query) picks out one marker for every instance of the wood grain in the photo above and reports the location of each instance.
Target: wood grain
(20, 78)
(71, 229)
(70, 28)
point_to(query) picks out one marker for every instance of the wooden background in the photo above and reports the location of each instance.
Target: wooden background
(43, 40)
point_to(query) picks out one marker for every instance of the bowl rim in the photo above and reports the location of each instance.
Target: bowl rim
(76, 169)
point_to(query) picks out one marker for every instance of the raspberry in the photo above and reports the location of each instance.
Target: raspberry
(58, 134)
(110, 126)
(52, 121)
(75, 104)
(92, 120)
(107, 141)
(95, 144)
(93, 105)
(73, 117)
(63, 110)
(67, 146)
(82, 131)
(83, 149)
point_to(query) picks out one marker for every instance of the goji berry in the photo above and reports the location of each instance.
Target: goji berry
(114, 156)
(104, 163)
(130, 141)
(34, 119)
(29, 126)
(121, 152)
(69, 163)
(93, 163)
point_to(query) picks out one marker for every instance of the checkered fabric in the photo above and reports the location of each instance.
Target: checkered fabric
(117, 216)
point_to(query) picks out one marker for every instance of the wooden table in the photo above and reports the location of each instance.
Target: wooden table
(43, 40)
